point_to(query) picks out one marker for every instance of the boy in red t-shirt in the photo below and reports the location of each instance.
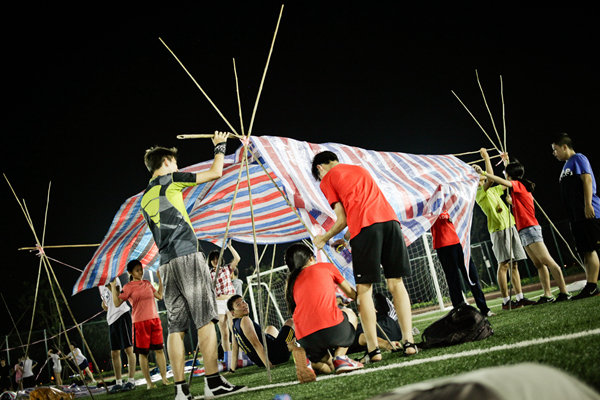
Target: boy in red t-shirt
(451, 256)
(529, 229)
(147, 328)
(376, 239)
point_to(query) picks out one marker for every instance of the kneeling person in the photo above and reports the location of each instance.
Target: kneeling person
(319, 324)
(247, 335)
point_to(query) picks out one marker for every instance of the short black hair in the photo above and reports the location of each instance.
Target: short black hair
(232, 300)
(324, 157)
(155, 156)
(213, 255)
(563, 138)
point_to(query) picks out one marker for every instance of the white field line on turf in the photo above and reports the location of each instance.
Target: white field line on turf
(468, 353)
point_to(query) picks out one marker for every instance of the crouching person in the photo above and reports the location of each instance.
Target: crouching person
(319, 324)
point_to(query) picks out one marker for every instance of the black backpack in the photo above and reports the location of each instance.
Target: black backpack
(460, 325)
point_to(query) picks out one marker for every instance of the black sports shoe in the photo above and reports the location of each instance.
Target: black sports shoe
(562, 297)
(510, 304)
(223, 388)
(544, 300)
(526, 302)
(587, 292)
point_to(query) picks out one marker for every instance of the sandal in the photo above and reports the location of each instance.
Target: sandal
(368, 357)
(409, 345)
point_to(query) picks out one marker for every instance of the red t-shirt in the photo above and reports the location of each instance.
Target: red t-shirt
(443, 232)
(141, 297)
(363, 201)
(314, 294)
(523, 207)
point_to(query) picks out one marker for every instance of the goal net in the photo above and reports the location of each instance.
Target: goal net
(426, 286)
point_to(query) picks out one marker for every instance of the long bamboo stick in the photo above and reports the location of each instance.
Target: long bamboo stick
(469, 152)
(60, 246)
(489, 111)
(476, 121)
(206, 136)
(475, 162)
(503, 113)
(199, 87)
(264, 73)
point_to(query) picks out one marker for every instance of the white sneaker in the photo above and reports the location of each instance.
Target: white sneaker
(182, 392)
(490, 313)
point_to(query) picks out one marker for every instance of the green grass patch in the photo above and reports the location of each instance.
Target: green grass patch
(578, 357)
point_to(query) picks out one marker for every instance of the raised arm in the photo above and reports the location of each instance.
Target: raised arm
(236, 256)
(338, 226)
(115, 294)
(492, 177)
(159, 292)
(216, 169)
(248, 329)
(488, 167)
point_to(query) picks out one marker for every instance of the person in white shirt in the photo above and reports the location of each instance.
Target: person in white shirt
(56, 366)
(77, 356)
(119, 326)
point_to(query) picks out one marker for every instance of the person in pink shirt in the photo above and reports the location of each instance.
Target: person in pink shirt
(147, 328)
(529, 229)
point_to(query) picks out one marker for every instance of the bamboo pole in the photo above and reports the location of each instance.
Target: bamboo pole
(264, 73)
(199, 87)
(476, 121)
(559, 234)
(237, 91)
(489, 111)
(207, 136)
(503, 113)
(469, 152)
(52, 277)
(483, 159)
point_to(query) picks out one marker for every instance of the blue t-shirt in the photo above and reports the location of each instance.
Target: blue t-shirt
(571, 187)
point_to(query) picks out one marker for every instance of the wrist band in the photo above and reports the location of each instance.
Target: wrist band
(220, 148)
(483, 173)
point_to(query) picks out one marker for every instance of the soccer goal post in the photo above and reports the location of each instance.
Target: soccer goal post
(426, 285)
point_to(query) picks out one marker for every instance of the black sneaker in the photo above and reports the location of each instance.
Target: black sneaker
(544, 300)
(223, 388)
(587, 292)
(510, 305)
(562, 297)
(525, 302)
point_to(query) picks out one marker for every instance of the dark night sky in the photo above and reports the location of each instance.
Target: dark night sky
(89, 90)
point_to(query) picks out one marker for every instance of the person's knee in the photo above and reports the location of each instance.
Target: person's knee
(289, 322)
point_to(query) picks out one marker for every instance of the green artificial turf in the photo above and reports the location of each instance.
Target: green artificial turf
(577, 356)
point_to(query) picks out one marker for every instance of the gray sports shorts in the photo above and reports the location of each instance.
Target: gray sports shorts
(188, 292)
(501, 245)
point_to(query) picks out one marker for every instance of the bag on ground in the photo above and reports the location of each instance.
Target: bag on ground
(460, 325)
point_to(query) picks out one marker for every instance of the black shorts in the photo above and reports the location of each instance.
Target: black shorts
(120, 332)
(586, 233)
(317, 343)
(277, 346)
(380, 244)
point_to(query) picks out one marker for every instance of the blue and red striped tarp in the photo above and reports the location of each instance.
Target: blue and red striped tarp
(419, 188)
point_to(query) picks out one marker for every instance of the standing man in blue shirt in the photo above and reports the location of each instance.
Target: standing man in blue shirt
(578, 192)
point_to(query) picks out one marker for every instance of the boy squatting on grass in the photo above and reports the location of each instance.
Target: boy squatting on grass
(578, 193)
(506, 243)
(529, 229)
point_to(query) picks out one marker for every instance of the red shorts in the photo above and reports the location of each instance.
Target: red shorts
(147, 335)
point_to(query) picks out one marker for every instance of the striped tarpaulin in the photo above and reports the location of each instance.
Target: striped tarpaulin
(419, 188)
